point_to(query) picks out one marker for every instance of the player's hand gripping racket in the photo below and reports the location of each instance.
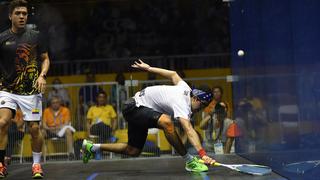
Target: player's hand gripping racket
(247, 168)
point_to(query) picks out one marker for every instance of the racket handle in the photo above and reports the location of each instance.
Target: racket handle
(213, 164)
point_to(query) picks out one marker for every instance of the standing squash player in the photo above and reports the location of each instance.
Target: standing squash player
(24, 63)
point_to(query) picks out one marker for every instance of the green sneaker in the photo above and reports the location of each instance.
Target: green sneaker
(87, 154)
(196, 166)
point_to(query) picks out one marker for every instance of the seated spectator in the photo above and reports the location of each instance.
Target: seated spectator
(101, 119)
(220, 127)
(56, 123)
(87, 95)
(60, 91)
(15, 134)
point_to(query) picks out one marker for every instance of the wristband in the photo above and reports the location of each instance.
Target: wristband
(202, 152)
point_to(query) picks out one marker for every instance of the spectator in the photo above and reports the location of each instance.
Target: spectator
(221, 128)
(60, 91)
(15, 134)
(81, 113)
(217, 97)
(243, 111)
(101, 119)
(253, 115)
(87, 95)
(120, 79)
(122, 96)
(89, 92)
(56, 123)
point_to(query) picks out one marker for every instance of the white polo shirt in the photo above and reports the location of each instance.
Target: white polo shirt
(173, 100)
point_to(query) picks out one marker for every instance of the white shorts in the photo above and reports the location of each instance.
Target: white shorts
(30, 105)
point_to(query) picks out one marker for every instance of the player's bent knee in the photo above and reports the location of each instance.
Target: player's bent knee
(166, 123)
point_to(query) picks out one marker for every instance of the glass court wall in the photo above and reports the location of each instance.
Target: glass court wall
(278, 87)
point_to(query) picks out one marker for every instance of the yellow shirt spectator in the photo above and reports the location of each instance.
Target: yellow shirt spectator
(101, 113)
(56, 119)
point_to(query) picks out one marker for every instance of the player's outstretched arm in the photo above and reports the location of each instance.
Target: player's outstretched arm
(173, 75)
(195, 141)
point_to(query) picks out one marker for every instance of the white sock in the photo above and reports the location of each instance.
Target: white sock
(95, 148)
(188, 157)
(36, 157)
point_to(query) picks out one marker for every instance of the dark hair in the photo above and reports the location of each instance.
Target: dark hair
(120, 78)
(17, 3)
(102, 92)
(221, 108)
(218, 87)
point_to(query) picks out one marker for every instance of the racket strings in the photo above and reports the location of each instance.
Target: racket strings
(254, 169)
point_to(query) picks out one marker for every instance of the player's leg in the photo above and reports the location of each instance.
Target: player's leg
(5, 117)
(14, 137)
(136, 140)
(137, 133)
(31, 106)
(36, 135)
(36, 145)
(120, 148)
(7, 112)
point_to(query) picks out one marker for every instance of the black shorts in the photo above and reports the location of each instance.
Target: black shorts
(139, 120)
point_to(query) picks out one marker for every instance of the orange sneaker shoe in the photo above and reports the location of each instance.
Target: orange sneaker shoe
(3, 171)
(37, 172)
